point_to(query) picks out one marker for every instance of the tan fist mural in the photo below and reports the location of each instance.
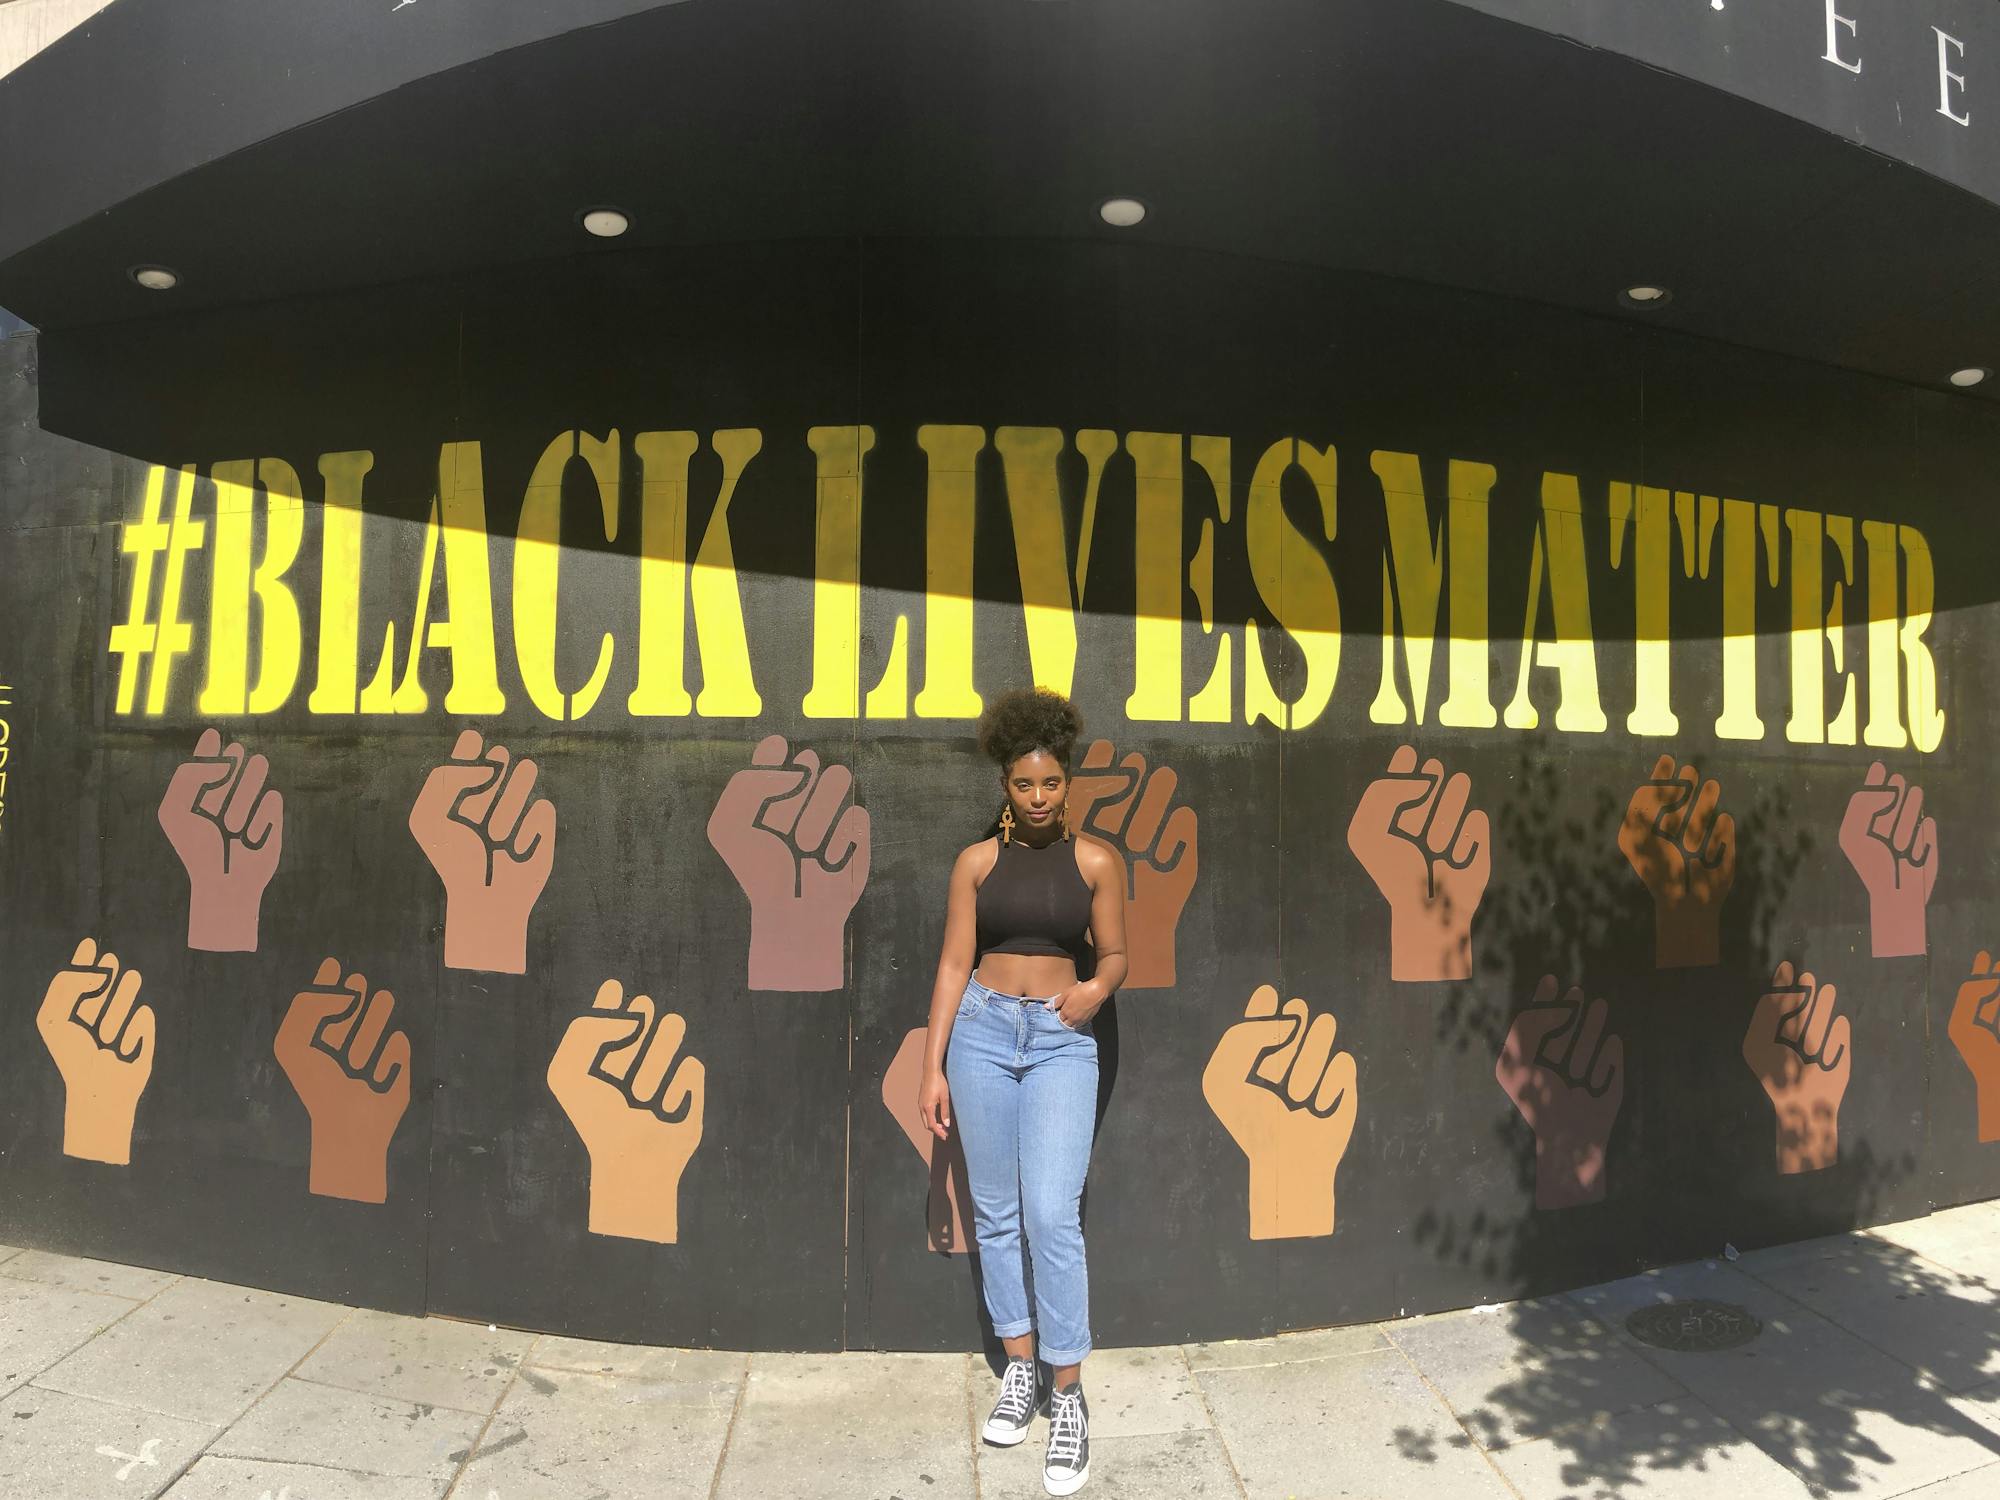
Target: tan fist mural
(1798, 1048)
(1131, 809)
(1566, 1075)
(637, 1102)
(492, 846)
(352, 1073)
(948, 1210)
(800, 853)
(1974, 1030)
(1288, 1100)
(1685, 852)
(228, 827)
(1893, 848)
(1429, 853)
(101, 1038)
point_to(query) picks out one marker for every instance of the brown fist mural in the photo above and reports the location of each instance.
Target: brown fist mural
(801, 860)
(1566, 1076)
(228, 827)
(640, 1125)
(353, 1076)
(1128, 807)
(1975, 1030)
(1893, 848)
(1288, 1100)
(1685, 852)
(491, 847)
(1798, 1048)
(949, 1209)
(102, 1041)
(1429, 854)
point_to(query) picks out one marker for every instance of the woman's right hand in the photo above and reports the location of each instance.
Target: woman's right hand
(934, 1105)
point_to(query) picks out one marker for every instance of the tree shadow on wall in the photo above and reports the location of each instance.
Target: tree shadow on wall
(1860, 1336)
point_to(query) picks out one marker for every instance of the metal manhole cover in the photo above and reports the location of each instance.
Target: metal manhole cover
(1694, 1326)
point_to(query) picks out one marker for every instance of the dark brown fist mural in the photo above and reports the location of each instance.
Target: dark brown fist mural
(228, 827)
(1975, 1031)
(1893, 848)
(1288, 1100)
(101, 1038)
(801, 854)
(1685, 852)
(1798, 1048)
(352, 1073)
(1429, 853)
(491, 846)
(638, 1102)
(1131, 809)
(1566, 1075)
(948, 1210)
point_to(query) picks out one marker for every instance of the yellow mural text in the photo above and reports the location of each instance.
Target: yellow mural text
(1214, 576)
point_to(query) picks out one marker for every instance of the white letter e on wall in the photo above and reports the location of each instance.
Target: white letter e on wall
(1834, 21)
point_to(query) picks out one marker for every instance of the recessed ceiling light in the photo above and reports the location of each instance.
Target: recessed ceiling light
(1645, 295)
(155, 278)
(605, 223)
(1971, 375)
(1121, 213)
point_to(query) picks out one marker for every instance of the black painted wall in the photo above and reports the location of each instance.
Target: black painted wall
(803, 1211)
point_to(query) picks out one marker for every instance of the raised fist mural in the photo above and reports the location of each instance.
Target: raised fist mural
(101, 1038)
(637, 1102)
(228, 827)
(948, 1211)
(1131, 809)
(1798, 1048)
(352, 1073)
(1685, 852)
(800, 853)
(1429, 853)
(1566, 1075)
(1974, 1029)
(1893, 848)
(492, 846)
(1288, 1100)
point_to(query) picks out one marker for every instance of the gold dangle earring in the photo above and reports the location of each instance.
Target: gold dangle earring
(1007, 822)
(1062, 813)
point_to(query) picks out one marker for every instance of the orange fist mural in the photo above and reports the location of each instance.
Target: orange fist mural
(228, 827)
(102, 1041)
(1685, 852)
(1893, 848)
(492, 849)
(353, 1076)
(1128, 808)
(1288, 1100)
(1798, 1048)
(1975, 1030)
(1429, 854)
(1566, 1076)
(949, 1209)
(801, 860)
(640, 1125)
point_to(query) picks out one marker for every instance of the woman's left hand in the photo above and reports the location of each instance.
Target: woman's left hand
(1076, 1005)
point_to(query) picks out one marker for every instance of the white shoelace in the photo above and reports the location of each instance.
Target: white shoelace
(1017, 1390)
(1066, 1429)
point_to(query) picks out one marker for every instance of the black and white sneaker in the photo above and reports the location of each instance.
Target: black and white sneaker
(1020, 1399)
(1068, 1465)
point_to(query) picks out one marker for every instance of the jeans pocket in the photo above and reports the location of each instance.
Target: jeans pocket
(969, 1004)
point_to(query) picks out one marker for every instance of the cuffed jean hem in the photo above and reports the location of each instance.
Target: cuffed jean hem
(1013, 1330)
(1058, 1357)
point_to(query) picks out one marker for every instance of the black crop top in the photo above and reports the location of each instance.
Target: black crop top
(1036, 901)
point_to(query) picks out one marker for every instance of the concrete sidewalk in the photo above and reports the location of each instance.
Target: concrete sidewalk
(1877, 1372)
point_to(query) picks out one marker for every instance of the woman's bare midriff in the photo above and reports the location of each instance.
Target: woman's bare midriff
(1036, 974)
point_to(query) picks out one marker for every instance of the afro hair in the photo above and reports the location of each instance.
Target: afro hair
(1025, 720)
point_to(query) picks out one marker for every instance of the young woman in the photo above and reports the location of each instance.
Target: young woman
(1039, 912)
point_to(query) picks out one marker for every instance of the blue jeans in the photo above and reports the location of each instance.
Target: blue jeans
(1024, 1094)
